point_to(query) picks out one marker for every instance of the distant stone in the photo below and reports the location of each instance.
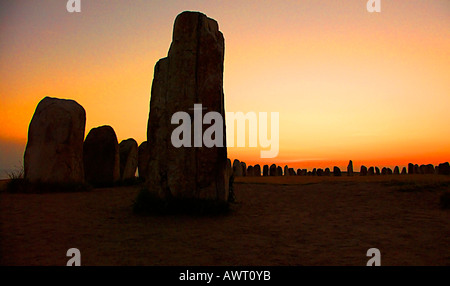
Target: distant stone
(371, 171)
(416, 169)
(337, 171)
(273, 170)
(319, 172)
(266, 170)
(101, 157)
(250, 171)
(389, 171)
(314, 172)
(396, 170)
(350, 168)
(128, 151)
(286, 170)
(404, 172)
(237, 168)
(327, 172)
(384, 171)
(410, 168)
(143, 158)
(291, 172)
(279, 171)
(377, 171)
(257, 170)
(444, 169)
(363, 171)
(54, 151)
(244, 169)
(299, 172)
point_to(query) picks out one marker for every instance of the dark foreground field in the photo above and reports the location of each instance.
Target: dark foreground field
(276, 221)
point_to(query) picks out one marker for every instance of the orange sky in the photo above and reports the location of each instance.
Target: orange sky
(347, 84)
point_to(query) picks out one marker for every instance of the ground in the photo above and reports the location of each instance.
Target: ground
(276, 221)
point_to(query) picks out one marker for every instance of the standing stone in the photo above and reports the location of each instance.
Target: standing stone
(337, 171)
(377, 171)
(363, 171)
(244, 169)
(314, 172)
(299, 172)
(54, 151)
(237, 168)
(384, 171)
(266, 170)
(250, 171)
(192, 73)
(371, 171)
(279, 171)
(292, 172)
(404, 171)
(273, 170)
(101, 157)
(286, 170)
(410, 168)
(444, 169)
(350, 168)
(319, 172)
(143, 158)
(416, 169)
(128, 151)
(396, 170)
(257, 170)
(327, 172)
(388, 171)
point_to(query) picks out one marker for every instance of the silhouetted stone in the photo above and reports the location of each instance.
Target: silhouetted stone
(279, 171)
(250, 171)
(143, 159)
(319, 172)
(388, 171)
(273, 170)
(191, 73)
(350, 168)
(101, 157)
(377, 171)
(410, 168)
(286, 170)
(128, 151)
(266, 170)
(336, 171)
(427, 169)
(384, 171)
(444, 169)
(371, 171)
(291, 172)
(416, 169)
(404, 172)
(327, 172)
(363, 171)
(237, 168)
(396, 170)
(54, 151)
(299, 172)
(314, 172)
(257, 170)
(244, 169)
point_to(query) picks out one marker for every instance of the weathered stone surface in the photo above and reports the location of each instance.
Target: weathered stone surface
(54, 151)
(257, 170)
(363, 171)
(350, 168)
(273, 170)
(101, 156)
(266, 170)
(128, 151)
(336, 171)
(444, 169)
(192, 73)
(371, 171)
(143, 159)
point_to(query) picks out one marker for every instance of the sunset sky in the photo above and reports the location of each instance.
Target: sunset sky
(348, 84)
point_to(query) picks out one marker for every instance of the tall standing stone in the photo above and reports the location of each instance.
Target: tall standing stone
(101, 157)
(350, 168)
(143, 158)
(337, 172)
(237, 168)
(266, 170)
(273, 170)
(192, 73)
(371, 171)
(54, 151)
(257, 170)
(363, 171)
(128, 151)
